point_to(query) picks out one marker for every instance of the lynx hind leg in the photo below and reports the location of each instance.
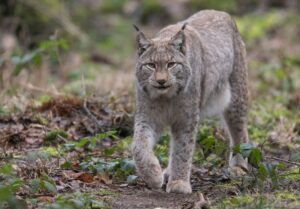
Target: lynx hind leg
(237, 126)
(146, 163)
(236, 113)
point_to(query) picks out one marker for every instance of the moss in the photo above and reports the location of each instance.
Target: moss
(286, 196)
(293, 174)
(238, 200)
(52, 136)
(107, 192)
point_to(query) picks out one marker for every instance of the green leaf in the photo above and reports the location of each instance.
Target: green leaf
(21, 62)
(127, 165)
(100, 167)
(109, 151)
(50, 187)
(208, 144)
(255, 157)
(53, 135)
(69, 146)
(262, 172)
(237, 149)
(82, 142)
(246, 149)
(97, 204)
(5, 193)
(16, 184)
(6, 169)
(131, 179)
(113, 166)
(66, 165)
(296, 157)
(28, 57)
(112, 134)
(34, 185)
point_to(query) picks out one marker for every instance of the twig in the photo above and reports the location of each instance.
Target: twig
(282, 160)
(202, 203)
(36, 195)
(91, 115)
(100, 155)
(35, 88)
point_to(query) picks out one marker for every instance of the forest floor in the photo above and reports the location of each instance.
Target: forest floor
(74, 152)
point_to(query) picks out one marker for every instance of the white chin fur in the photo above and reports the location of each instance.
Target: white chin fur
(168, 93)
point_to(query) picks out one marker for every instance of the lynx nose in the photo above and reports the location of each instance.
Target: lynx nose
(161, 77)
(161, 81)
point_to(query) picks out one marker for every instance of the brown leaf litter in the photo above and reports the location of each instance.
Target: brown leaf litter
(77, 117)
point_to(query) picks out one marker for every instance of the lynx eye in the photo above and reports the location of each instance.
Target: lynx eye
(150, 65)
(171, 64)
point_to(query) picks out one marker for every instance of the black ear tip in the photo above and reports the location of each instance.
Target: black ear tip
(183, 26)
(136, 27)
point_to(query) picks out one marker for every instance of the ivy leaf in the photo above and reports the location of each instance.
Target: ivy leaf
(246, 149)
(296, 156)
(34, 185)
(127, 165)
(131, 179)
(49, 186)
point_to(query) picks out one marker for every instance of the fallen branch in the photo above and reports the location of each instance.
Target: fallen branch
(282, 160)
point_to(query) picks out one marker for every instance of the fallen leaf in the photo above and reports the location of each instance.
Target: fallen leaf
(45, 199)
(84, 177)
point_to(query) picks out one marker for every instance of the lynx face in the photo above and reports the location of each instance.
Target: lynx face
(162, 69)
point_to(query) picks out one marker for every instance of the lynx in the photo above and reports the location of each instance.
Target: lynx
(189, 71)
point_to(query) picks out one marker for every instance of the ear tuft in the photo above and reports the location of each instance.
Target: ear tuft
(142, 41)
(183, 26)
(178, 40)
(136, 28)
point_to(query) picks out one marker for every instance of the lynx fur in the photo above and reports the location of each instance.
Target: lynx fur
(188, 71)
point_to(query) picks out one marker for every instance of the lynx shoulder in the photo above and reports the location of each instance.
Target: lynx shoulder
(188, 71)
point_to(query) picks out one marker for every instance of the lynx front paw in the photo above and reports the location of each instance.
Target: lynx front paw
(154, 178)
(151, 174)
(179, 186)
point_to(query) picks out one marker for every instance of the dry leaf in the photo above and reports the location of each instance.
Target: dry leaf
(84, 177)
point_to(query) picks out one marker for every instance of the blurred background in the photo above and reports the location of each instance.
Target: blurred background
(87, 47)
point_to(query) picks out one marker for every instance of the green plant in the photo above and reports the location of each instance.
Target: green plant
(9, 185)
(77, 200)
(49, 48)
(265, 170)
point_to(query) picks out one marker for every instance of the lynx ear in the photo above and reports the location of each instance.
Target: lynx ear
(143, 42)
(178, 40)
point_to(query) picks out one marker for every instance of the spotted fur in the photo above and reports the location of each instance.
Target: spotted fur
(209, 77)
